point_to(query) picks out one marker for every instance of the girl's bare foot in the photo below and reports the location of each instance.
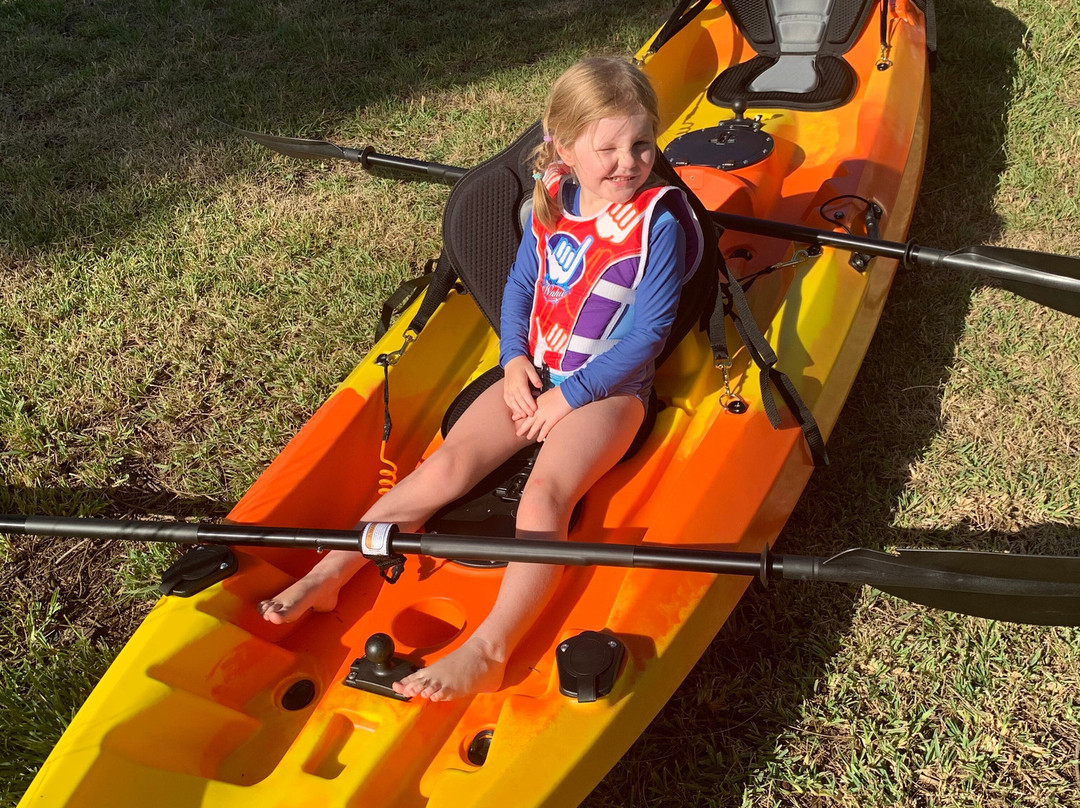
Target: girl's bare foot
(475, 667)
(315, 591)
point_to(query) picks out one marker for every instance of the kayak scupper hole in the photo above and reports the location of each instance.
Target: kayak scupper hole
(429, 623)
(477, 752)
(298, 695)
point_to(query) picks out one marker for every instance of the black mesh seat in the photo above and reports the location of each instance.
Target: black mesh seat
(800, 46)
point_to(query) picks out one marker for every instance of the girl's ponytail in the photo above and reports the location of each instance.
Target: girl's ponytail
(547, 206)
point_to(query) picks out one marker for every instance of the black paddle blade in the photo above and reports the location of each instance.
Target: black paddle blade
(1062, 266)
(301, 147)
(1039, 590)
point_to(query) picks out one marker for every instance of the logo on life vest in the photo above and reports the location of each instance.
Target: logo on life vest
(617, 222)
(565, 264)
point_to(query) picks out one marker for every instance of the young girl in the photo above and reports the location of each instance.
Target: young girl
(591, 296)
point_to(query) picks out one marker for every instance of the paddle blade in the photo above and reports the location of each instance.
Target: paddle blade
(1060, 266)
(1040, 590)
(301, 147)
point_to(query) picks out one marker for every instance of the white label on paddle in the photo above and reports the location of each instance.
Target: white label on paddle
(375, 539)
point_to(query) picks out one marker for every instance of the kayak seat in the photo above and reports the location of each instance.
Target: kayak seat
(483, 222)
(800, 46)
(490, 509)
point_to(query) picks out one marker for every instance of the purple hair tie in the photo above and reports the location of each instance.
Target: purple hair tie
(547, 138)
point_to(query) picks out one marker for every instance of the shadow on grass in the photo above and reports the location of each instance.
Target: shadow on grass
(108, 503)
(111, 104)
(719, 733)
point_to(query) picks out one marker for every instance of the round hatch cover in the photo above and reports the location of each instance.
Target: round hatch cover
(731, 145)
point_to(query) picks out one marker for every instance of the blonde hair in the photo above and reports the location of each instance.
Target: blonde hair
(594, 88)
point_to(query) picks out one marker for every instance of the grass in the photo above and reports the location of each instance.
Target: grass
(40, 680)
(175, 303)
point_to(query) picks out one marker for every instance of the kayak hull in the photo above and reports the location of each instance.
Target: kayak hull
(194, 709)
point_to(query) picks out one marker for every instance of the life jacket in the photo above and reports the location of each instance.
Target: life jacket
(589, 271)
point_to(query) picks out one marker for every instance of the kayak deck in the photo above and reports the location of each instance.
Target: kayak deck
(194, 711)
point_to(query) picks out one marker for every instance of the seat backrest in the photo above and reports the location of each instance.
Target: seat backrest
(483, 225)
(773, 27)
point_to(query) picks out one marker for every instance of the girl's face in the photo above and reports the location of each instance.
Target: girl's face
(612, 159)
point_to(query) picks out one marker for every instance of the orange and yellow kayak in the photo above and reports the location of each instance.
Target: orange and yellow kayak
(209, 705)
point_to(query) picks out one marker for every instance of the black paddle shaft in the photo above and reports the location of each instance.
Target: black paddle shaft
(1061, 273)
(1043, 590)
(429, 544)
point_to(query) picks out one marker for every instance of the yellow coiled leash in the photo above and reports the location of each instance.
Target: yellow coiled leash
(388, 474)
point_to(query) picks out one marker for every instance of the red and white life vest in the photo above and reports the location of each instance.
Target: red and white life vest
(589, 271)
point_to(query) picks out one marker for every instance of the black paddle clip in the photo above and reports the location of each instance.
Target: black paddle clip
(871, 220)
(374, 542)
(200, 567)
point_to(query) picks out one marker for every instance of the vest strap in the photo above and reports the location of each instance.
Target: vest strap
(612, 291)
(584, 345)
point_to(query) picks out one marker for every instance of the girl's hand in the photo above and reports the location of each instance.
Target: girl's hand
(551, 407)
(519, 379)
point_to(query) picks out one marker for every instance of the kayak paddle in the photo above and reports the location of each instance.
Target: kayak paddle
(307, 149)
(1039, 590)
(1048, 279)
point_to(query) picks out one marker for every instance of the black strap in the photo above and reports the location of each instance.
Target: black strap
(731, 300)
(443, 278)
(754, 340)
(401, 299)
(676, 21)
(437, 277)
(803, 416)
(716, 328)
(390, 567)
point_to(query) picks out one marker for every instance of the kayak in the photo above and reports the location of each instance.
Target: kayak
(210, 705)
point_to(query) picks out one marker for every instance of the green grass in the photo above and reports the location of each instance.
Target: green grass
(40, 681)
(175, 303)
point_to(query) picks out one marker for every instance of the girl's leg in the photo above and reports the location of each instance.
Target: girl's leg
(578, 451)
(482, 438)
